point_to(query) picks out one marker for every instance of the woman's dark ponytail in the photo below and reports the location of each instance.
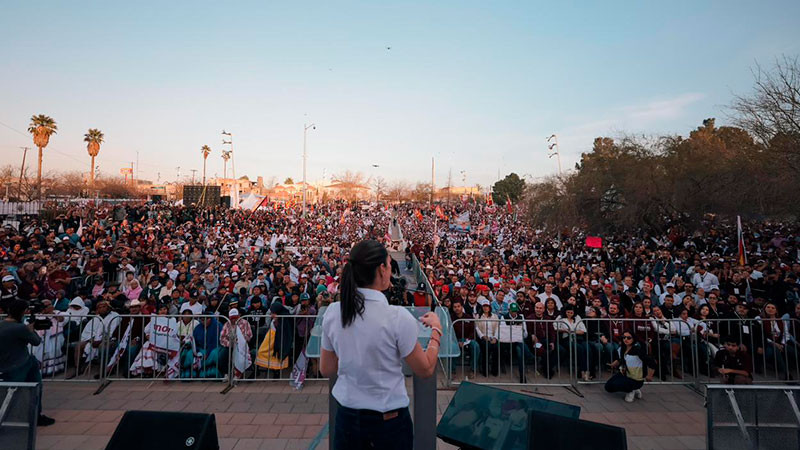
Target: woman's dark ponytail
(352, 301)
(360, 270)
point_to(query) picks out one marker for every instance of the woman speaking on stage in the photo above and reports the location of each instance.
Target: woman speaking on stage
(364, 343)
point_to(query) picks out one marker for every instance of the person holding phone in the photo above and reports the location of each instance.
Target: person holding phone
(364, 342)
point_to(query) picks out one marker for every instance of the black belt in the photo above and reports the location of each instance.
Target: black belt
(388, 415)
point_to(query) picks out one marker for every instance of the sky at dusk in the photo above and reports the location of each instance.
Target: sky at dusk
(478, 85)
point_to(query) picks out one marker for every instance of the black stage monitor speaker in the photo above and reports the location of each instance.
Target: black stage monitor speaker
(154, 430)
(550, 431)
(480, 417)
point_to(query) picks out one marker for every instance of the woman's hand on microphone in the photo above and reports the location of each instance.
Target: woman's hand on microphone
(431, 320)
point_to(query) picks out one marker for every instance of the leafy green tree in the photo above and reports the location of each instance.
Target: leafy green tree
(512, 186)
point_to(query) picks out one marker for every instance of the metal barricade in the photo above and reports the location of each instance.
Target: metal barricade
(170, 347)
(277, 346)
(499, 351)
(753, 417)
(769, 346)
(670, 344)
(72, 348)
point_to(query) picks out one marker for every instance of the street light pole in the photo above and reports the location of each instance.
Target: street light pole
(557, 154)
(235, 185)
(305, 157)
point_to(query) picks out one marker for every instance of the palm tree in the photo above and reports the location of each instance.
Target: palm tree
(41, 127)
(206, 150)
(94, 138)
(226, 155)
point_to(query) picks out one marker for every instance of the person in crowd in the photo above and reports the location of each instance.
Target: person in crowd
(518, 334)
(129, 336)
(487, 326)
(635, 367)
(160, 352)
(233, 341)
(464, 329)
(16, 364)
(774, 340)
(203, 362)
(571, 330)
(733, 363)
(364, 342)
(95, 337)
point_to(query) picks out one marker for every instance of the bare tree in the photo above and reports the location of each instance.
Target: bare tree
(349, 184)
(771, 113)
(379, 186)
(398, 191)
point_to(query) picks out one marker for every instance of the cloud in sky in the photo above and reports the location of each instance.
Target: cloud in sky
(649, 116)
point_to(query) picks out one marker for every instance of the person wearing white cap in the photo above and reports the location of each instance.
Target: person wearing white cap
(670, 290)
(8, 290)
(239, 348)
(486, 330)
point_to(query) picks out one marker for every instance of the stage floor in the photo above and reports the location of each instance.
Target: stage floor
(275, 416)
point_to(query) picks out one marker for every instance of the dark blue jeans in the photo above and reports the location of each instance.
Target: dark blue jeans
(356, 430)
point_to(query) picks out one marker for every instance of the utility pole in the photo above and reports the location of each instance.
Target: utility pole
(133, 182)
(556, 153)
(137, 164)
(235, 186)
(178, 176)
(193, 171)
(22, 171)
(449, 184)
(305, 156)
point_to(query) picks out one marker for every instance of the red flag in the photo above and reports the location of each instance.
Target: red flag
(509, 206)
(594, 242)
(440, 213)
(489, 200)
(260, 204)
(740, 238)
(418, 215)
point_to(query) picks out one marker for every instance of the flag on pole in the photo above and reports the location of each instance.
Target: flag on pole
(594, 242)
(440, 213)
(489, 201)
(740, 237)
(509, 206)
(418, 215)
(123, 344)
(260, 204)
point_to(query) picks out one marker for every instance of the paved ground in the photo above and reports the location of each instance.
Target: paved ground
(275, 416)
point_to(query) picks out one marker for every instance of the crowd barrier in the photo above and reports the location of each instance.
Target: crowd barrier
(90, 348)
(683, 352)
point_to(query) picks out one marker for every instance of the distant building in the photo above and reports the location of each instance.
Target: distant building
(457, 192)
(293, 192)
(346, 191)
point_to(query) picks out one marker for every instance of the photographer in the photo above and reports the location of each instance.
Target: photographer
(16, 364)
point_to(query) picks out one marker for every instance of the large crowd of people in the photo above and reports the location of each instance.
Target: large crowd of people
(156, 290)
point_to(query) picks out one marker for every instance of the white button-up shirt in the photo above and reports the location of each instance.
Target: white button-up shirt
(371, 352)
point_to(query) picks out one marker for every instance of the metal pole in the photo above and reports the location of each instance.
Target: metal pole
(305, 132)
(21, 171)
(433, 177)
(305, 186)
(425, 412)
(558, 156)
